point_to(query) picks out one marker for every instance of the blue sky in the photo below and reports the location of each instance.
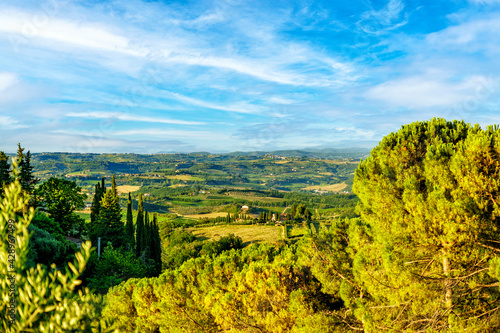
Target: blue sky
(229, 75)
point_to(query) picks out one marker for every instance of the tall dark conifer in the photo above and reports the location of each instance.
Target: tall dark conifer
(139, 225)
(129, 226)
(156, 244)
(96, 202)
(113, 185)
(146, 235)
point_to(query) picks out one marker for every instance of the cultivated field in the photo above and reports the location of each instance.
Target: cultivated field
(208, 215)
(332, 188)
(127, 189)
(248, 233)
(185, 178)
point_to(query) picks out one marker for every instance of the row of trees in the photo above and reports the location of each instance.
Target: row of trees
(147, 235)
(261, 288)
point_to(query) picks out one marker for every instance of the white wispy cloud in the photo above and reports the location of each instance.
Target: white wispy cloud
(485, 2)
(85, 34)
(171, 133)
(7, 122)
(7, 80)
(390, 17)
(425, 91)
(185, 49)
(250, 67)
(242, 107)
(129, 117)
(474, 35)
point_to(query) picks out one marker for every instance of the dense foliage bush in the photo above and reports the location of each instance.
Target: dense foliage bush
(46, 223)
(46, 249)
(113, 267)
(260, 288)
(182, 246)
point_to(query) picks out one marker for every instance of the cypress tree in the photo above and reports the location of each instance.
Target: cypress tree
(146, 236)
(129, 226)
(139, 225)
(113, 185)
(96, 202)
(156, 244)
(293, 210)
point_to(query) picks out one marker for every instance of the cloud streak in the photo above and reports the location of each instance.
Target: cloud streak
(128, 117)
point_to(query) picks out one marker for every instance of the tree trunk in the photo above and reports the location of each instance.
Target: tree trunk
(447, 283)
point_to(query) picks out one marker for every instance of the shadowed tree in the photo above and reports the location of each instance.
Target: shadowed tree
(96, 202)
(139, 227)
(5, 178)
(129, 225)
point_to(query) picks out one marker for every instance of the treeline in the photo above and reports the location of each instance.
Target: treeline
(211, 170)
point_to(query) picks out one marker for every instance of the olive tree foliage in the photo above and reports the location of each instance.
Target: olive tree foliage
(429, 195)
(40, 299)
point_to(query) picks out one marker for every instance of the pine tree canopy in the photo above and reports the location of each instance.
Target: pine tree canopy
(429, 195)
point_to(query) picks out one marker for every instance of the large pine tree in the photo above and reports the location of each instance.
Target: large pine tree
(109, 221)
(430, 196)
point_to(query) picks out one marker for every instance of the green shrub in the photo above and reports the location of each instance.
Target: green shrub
(40, 299)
